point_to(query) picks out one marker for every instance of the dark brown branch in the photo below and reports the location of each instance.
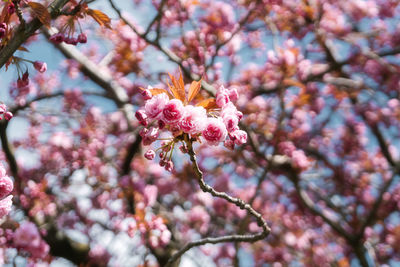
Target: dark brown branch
(157, 18)
(19, 13)
(132, 150)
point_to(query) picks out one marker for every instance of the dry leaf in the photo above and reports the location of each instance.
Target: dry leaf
(208, 103)
(41, 13)
(101, 18)
(194, 89)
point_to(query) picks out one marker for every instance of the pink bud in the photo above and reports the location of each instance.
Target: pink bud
(150, 154)
(6, 186)
(3, 108)
(25, 76)
(40, 66)
(151, 136)
(141, 116)
(169, 166)
(57, 38)
(8, 115)
(71, 41)
(162, 163)
(146, 94)
(82, 38)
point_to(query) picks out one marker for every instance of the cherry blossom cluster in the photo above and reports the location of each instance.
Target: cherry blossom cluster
(58, 38)
(6, 187)
(6, 114)
(209, 123)
(27, 238)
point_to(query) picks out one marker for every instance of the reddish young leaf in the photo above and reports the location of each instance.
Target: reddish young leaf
(41, 13)
(208, 103)
(101, 18)
(178, 87)
(194, 89)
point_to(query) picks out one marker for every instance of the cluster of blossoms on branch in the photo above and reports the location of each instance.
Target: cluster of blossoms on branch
(59, 38)
(211, 120)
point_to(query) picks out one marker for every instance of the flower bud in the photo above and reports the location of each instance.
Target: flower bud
(8, 115)
(169, 166)
(57, 38)
(82, 38)
(141, 116)
(3, 108)
(146, 94)
(40, 66)
(150, 154)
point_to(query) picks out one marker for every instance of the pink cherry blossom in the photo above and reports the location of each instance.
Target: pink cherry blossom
(155, 105)
(239, 137)
(173, 111)
(142, 117)
(150, 154)
(222, 97)
(6, 186)
(193, 119)
(27, 235)
(214, 131)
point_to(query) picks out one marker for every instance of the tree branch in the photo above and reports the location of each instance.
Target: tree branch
(236, 201)
(101, 78)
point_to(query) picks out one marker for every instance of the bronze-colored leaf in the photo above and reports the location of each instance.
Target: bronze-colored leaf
(194, 89)
(41, 13)
(208, 103)
(101, 18)
(177, 88)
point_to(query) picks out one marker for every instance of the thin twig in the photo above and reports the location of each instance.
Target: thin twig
(236, 201)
